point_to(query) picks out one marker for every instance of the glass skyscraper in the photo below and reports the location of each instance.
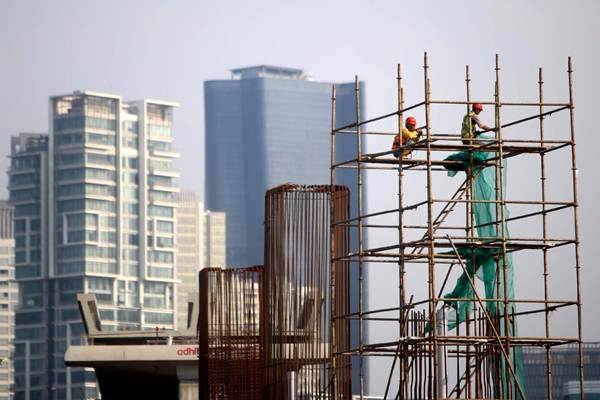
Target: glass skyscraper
(264, 127)
(94, 213)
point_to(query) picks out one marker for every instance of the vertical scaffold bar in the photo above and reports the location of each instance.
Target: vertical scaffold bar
(332, 249)
(433, 370)
(401, 263)
(359, 206)
(576, 217)
(500, 206)
(469, 229)
(545, 235)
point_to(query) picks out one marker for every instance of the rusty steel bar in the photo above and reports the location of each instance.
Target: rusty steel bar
(545, 234)
(231, 355)
(332, 247)
(430, 222)
(576, 221)
(359, 199)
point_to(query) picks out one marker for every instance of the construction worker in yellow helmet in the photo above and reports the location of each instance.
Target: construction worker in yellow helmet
(470, 124)
(409, 134)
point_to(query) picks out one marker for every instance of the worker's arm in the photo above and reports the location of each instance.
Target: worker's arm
(480, 124)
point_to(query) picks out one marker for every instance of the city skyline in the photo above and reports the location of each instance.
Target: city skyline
(57, 47)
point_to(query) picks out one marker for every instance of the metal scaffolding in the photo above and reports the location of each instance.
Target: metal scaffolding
(479, 357)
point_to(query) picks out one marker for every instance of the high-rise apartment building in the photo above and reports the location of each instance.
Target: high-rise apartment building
(200, 243)
(8, 300)
(264, 127)
(94, 213)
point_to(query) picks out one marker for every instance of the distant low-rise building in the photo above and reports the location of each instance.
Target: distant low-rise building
(200, 244)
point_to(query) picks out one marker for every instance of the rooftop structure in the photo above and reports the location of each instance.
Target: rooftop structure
(269, 71)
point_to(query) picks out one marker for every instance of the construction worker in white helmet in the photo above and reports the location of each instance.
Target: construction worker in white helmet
(470, 122)
(410, 135)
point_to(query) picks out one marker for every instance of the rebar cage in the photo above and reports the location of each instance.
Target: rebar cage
(298, 303)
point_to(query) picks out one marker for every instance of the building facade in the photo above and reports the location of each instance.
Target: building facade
(94, 213)
(565, 371)
(214, 239)
(189, 249)
(8, 300)
(200, 244)
(264, 127)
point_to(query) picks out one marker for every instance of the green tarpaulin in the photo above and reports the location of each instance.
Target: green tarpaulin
(482, 262)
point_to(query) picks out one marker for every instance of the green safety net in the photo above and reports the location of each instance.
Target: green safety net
(481, 262)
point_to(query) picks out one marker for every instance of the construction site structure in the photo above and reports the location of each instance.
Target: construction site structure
(462, 343)
(264, 331)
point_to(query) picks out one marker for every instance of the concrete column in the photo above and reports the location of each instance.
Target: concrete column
(188, 383)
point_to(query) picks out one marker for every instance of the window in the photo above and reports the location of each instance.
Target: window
(131, 239)
(160, 211)
(102, 287)
(154, 145)
(164, 226)
(131, 223)
(158, 318)
(100, 123)
(25, 195)
(30, 317)
(65, 139)
(81, 189)
(164, 242)
(26, 210)
(20, 226)
(81, 236)
(130, 162)
(161, 131)
(130, 177)
(130, 254)
(82, 220)
(131, 269)
(31, 294)
(130, 193)
(160, 180)
(160, 272)
(98, 138)
(164, 257)
(67, 159)
(132, 208)
(103, 159)
(75, 267)
(24, 179)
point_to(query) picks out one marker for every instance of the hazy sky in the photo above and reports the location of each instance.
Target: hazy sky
(166, 49)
